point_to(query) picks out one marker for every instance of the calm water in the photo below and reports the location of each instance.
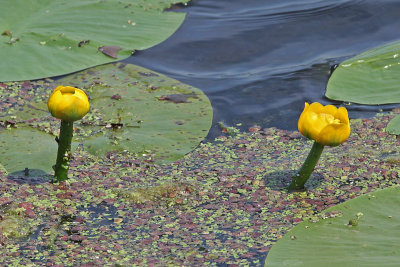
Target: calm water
(260, 60)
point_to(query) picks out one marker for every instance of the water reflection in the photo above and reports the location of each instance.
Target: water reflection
(259, 61)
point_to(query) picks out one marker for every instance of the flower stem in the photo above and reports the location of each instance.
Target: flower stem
(64, 151)
(301, 178)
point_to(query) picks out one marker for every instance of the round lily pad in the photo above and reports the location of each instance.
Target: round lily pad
(26, 147)
(393, 126)
(369, 78)
(45, 38)
(141, 111)
(360, 232)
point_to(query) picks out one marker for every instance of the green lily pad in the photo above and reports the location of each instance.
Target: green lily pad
(360, 232)
(46, 38)
(369, 78)
(26, 112)
(393, 126)
(25, 147)
(141, 111)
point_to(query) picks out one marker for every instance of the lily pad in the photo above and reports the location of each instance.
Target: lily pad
(53, 37)
(25, 147)
(369, 78)
(393, 126)
(141, 111)
(360, 232)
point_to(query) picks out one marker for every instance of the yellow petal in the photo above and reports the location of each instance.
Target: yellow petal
(343, 115)
(303, 114)
(68, 90)
(329, 109)
(59, 88)
(334, 134)
(311, 125)
(68, 103)
(327, 125)
(316, 107)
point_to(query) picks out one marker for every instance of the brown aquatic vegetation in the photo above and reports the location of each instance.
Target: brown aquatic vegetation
(224, 203)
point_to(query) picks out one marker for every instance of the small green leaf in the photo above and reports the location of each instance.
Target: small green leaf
(393, 126)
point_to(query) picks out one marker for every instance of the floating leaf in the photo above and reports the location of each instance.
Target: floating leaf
(41, 38)
(360, 232)
(369, 78)
(25, 147)
(393, 126)
(127, 114)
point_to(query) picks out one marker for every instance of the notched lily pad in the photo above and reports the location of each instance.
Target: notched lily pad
(393, 126)
(24, 148)
(127, 114)
(368, 78)
(48, 38)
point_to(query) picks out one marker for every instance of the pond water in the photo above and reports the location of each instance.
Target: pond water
(260, 60)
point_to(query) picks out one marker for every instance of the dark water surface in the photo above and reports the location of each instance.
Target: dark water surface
(260, 60)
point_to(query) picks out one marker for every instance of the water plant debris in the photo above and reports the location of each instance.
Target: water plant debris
(225, 203)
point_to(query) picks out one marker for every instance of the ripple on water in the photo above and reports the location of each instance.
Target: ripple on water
(259, 61)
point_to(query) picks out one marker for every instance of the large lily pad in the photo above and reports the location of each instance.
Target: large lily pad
(46, 38)
(360, 232)
(369, 78)
(141, 111)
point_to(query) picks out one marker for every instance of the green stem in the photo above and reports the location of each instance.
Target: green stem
(301, 178)
(64, 151)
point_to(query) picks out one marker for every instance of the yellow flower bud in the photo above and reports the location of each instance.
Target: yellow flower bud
(68, 103)
(326, 125)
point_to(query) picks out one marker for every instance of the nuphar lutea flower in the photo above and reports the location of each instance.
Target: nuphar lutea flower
(327, 125)
(68, 103)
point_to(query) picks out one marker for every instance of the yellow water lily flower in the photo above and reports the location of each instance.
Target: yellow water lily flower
(68, 103)
(327, 125)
